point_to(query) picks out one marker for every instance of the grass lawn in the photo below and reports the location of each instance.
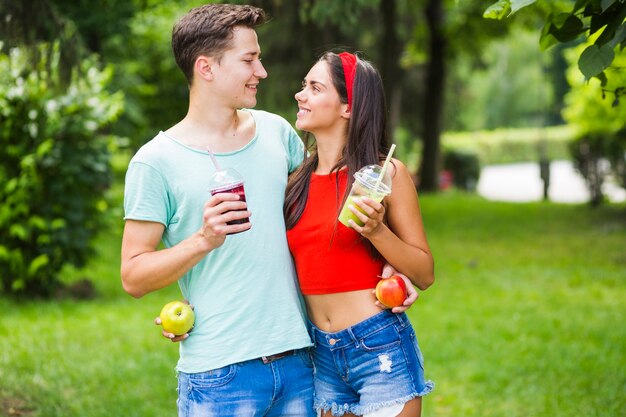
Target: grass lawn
(525, 319)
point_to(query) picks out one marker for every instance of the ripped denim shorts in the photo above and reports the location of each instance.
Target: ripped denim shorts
(373, 364)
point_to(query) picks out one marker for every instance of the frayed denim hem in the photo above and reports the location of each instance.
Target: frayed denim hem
(362, 410)
(334, 408)
(428, 387)
(339, 410)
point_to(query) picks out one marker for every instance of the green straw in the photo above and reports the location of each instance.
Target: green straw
(382, 171)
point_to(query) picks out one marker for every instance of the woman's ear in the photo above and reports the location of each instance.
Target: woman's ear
(203, 67)
(345, 111)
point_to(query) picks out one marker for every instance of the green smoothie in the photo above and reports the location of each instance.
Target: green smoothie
(347, 214)
(367, 183)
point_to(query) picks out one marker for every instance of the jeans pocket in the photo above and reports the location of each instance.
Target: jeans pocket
(383, 339)
(306, 357)
(213, 378)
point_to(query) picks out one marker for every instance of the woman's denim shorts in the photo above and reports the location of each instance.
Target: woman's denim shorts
(371, 365)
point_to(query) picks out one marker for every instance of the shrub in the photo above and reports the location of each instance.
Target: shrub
(598, 155)
(505, 146)
(54, 167)
(465, 168)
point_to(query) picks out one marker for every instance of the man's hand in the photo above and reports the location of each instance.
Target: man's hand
(172, 336)
(218, 210)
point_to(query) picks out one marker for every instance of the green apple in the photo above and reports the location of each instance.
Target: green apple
(177, 317)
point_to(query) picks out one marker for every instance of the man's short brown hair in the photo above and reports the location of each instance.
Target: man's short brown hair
(208, 30)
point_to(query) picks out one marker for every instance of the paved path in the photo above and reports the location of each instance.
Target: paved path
(521, 182)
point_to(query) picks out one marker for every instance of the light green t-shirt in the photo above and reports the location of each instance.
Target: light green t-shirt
(245, 292)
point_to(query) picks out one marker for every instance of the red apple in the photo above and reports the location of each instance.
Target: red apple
(391, 292)
(177, 317)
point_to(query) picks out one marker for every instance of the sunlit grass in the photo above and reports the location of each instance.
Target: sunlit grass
(524, 319)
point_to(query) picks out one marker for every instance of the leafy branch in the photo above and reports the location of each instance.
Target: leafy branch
(599, 21)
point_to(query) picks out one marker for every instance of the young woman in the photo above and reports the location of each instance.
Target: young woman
(367, 361)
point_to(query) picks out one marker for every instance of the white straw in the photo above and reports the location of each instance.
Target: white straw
(217, 166)
(384, 168)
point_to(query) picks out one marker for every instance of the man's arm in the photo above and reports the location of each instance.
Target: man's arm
(145, 269)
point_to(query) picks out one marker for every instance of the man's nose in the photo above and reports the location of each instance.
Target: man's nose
(259, 71)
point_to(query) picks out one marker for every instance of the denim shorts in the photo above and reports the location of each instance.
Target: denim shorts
(281, 388)
(373, 364)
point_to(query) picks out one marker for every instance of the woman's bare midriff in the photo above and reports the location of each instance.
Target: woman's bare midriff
(338, 311)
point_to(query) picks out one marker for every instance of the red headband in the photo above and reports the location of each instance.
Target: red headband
(348, 61)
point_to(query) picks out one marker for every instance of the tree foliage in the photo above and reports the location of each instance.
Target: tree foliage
(508, 83)
(600, 20)
(600, 147)
(54, 166)
(395, 34)
(27, 23)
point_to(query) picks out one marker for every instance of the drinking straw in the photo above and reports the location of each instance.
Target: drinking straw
(217, 166)
(384, 168)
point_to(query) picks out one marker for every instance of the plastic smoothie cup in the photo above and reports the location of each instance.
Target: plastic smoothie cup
(229, 181)
(367, 183)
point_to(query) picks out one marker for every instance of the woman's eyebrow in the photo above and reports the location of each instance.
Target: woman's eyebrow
(313, 82)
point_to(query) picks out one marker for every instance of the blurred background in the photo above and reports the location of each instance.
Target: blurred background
(514, 127)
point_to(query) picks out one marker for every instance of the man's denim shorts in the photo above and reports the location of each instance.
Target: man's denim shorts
(278, 388)
(371, 365)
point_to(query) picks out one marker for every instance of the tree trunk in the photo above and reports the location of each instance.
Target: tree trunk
(391, 73)
(432, 112)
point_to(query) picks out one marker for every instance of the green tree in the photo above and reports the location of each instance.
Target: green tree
(27, 23)
(54, 158)
(601, 60)
(412, 43)
(604, 21)
(54, 167)
(600, 147)
(508, 83)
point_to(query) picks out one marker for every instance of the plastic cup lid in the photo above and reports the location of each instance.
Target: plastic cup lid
(368, 177)
(228, 176)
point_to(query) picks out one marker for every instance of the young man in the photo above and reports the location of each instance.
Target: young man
(247, 353)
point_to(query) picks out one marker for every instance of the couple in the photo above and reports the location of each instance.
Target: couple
(249, 352)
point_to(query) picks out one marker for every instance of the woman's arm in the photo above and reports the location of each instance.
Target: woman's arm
(402, 240)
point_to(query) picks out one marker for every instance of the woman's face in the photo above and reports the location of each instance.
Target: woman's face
(319, 106)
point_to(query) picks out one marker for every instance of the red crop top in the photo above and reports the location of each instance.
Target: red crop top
(325, 263)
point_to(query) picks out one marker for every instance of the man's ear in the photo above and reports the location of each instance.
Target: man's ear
(345, 111)
(204, 67)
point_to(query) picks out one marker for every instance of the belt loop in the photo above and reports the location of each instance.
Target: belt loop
(356, 341)
(403, 319)
(312, 333)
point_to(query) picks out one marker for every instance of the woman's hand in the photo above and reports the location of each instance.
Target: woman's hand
(412, 294)
(371, 213)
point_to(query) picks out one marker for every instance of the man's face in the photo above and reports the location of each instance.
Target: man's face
(239, 71)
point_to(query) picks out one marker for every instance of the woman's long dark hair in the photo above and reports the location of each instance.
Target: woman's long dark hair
(367, 134)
